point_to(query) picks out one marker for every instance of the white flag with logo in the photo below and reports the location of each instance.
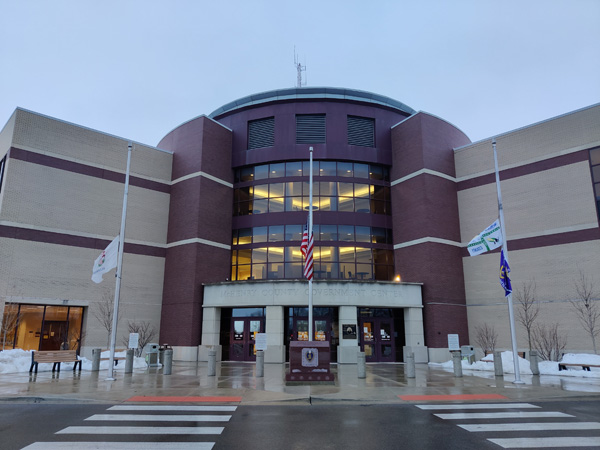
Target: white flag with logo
(487, 240)
(106, 261)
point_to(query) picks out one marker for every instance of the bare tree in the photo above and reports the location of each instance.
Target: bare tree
(528, 308)
(9, 322)
(548, 341)
(586, 307)
(103, 312)
(486, 337)
(146, 332)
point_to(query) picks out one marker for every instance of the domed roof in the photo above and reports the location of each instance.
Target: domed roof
(304, 93)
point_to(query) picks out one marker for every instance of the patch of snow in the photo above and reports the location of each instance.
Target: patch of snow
(17, 360)
(546, 367)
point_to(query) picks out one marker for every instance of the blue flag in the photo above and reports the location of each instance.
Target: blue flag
(504, 271)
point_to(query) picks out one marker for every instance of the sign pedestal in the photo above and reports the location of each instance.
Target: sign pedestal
(309, 362)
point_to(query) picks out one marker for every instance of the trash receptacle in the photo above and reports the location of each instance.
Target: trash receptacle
(467, 353)
(152, 355)
(161, 352)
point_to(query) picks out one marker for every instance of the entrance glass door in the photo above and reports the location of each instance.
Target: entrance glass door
(243, 335)
(377, 339)
(320, 329)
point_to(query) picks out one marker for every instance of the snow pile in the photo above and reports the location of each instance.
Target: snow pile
(17, 360)
(546, 367)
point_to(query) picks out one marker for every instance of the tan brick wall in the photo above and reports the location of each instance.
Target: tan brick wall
(531, 143)
(554, 270)
(70, 202)
(72, 142)
(6, 135)
(33, 272)
(548, 200)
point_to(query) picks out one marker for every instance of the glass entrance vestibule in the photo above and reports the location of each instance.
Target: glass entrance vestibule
(379, 332)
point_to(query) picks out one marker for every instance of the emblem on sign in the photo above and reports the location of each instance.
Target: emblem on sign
(310, 357)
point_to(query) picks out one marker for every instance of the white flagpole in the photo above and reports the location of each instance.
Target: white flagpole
(310, 236)
(511, 315)
(113, 333)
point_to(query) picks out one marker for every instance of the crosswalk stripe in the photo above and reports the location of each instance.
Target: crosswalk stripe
(547, 442)
(140, 430)
(550, 426)
(171, 408)
(501, 415)
(120, 446)
(161, 417)
(478, 406)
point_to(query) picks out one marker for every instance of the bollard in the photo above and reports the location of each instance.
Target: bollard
(457, 362)
(129, 360)
(212, 363)
(168, 361)
(96, 359)
(498, 364)
(533, 362)
(260, 363)
(410, 365)
(362, 365)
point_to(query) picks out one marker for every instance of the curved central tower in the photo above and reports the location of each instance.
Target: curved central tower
(384, 202)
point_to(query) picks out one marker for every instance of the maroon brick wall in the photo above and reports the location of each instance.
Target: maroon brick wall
(439, 268)
(426, 206)
(199, 208)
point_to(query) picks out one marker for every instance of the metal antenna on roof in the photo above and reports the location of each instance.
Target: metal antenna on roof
(299, 68)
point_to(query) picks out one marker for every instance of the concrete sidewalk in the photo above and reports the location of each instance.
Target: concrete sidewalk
(385, 383)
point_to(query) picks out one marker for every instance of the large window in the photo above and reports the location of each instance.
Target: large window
(595, 163)
(320, 169)
(341, 252)
(40, 327)
(292, 193)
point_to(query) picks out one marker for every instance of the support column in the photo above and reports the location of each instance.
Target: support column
(211, 333)
(275, 352)
(348, 348)
(414, 334)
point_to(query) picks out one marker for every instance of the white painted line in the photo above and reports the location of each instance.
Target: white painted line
(546, 426)
(141, 430)
(479, 406)
(121, 446)
(162, 417)
(548, 442)
(501, 415)
(171, 408)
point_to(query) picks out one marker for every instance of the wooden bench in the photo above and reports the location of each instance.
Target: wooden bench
(117, 358)
(55, 357)
(563, 366)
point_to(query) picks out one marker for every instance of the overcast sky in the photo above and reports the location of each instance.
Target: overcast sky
(137, 69)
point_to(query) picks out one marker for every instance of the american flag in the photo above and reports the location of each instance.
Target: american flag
(307, 251)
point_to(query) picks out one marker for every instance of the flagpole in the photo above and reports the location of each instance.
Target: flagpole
(113, 334)
(511, 315)
(310, 236)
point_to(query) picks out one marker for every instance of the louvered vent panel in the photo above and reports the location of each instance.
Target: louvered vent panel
(261, 133)
(361, 131)
(310, 129)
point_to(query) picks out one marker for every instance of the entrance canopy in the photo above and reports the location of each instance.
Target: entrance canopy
(325, 293)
